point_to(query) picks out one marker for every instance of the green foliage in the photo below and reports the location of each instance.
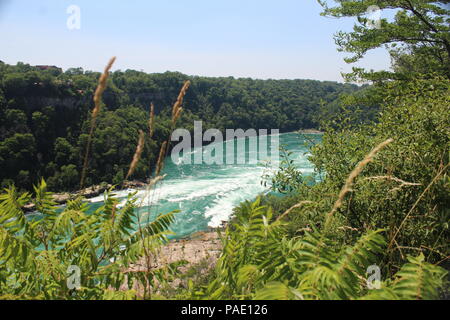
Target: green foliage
(259, 261)
(287, 178)
(15, 154)
(36, 253)
(53, 108)
(417, 38)
(404, 191)
(394, 215)
(415, 280)
(414, 169)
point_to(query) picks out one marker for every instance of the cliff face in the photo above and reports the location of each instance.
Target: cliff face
(65, 102)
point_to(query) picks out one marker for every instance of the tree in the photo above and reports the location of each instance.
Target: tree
(68, 176)
(64, 151)
(17, 151)
(16, 154)
(418, 38)
(75, 71)
(54, 108)
(15, 122)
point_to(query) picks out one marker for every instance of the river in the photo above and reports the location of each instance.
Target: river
(204, 194)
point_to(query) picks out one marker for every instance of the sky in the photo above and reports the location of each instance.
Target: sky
(263, 39)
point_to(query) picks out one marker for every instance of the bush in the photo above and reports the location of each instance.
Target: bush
(37, 255)
(404, 190)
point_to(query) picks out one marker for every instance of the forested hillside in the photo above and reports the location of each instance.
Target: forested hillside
(44, 117)
(374, 226)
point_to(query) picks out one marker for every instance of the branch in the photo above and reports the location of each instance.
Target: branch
(432, 28)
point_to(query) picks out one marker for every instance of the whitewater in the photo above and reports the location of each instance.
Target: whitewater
(205, 195)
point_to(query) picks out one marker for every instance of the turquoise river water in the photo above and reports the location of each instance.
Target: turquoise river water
(204, 194)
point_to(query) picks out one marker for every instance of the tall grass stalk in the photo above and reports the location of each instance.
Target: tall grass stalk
(97, 107)
(351, 179)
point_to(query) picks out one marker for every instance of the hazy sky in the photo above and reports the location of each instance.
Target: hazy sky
(283, 39)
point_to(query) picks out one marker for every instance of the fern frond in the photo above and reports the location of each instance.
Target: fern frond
(64, 225)
(119, 295)
(14, 249)
(380, 294)
(419, 280)
(123, 218)
(278, 291)
(12, 216)
(44, 202)
(157, 227)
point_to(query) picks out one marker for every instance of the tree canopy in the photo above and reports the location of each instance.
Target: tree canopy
(45, 115)
(417, 37)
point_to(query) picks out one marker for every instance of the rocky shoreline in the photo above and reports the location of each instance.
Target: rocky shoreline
(193, 249)
(200, 250)
(87, 193)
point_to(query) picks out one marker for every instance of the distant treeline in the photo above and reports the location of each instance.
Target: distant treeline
(44, 117)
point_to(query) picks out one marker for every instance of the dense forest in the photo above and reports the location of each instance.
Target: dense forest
(383, 200)
(44, 117)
